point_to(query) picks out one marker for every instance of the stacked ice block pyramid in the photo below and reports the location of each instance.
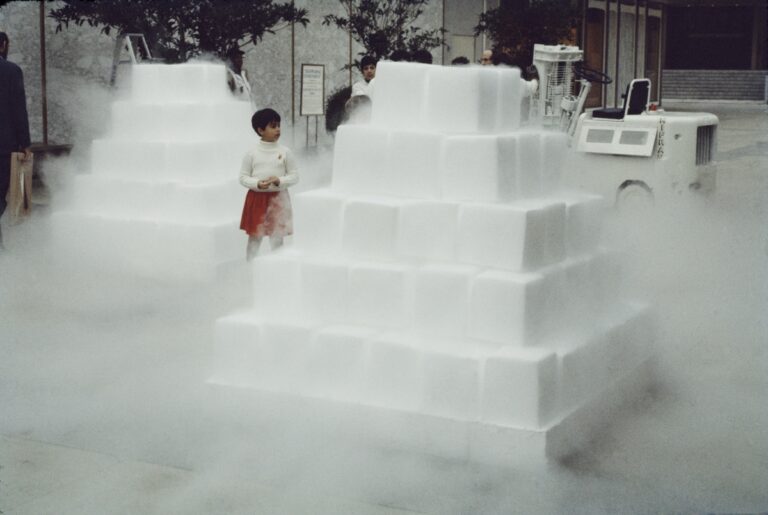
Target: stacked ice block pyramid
(162, 196)
(444, 281)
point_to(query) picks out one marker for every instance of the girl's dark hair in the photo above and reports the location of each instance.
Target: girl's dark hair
(264, 117)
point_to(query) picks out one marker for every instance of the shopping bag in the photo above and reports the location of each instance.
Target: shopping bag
(20, 191)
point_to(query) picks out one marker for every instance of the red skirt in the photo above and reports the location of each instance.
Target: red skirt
(267, 214)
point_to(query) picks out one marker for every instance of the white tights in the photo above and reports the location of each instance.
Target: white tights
(254, 242)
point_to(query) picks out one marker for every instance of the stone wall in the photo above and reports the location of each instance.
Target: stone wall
(79, 63)
(749, 85)
(460, 18)
(269, 62)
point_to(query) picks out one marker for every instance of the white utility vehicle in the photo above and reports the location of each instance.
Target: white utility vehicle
(633, 154)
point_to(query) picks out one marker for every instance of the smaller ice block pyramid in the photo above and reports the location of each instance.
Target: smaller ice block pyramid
(444, 281)
(162, 197)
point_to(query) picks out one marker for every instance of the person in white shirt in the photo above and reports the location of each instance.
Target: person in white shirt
(237, 79)
(357, 110)
(268, 170)
(365, 86)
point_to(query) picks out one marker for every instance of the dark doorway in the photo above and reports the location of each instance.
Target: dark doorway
(709, 38)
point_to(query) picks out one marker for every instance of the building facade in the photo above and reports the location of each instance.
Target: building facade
(67, 73)
(683, 46)
(705, 50)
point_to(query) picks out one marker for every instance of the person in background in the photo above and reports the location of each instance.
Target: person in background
(400, 55)
(502, 59)
(268, 170)
(422, 56)
(14, 123)
(365, 86)
(237, 79)
(357, 110)
(487, 58)
(460, 61)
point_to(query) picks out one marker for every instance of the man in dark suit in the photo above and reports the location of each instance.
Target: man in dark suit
(14, 124)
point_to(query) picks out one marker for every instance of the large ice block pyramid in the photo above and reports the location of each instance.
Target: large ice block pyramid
(162, 197)
(445, 282)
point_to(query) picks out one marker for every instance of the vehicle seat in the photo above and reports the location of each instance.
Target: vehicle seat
(636, 99)
(614, 113)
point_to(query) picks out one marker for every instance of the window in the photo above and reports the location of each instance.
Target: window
(633, 137)
(600, 136)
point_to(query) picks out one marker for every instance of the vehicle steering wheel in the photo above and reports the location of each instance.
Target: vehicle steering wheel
(590, 75)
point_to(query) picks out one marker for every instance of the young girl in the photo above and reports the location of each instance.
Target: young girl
(267, 171)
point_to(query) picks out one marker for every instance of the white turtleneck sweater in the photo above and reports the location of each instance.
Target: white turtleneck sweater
(363, 88)
(267, 160)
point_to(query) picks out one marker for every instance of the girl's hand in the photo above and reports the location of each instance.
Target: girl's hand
(276, 181)
(264, 184)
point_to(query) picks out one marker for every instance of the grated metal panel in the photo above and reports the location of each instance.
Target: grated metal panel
(705, 144)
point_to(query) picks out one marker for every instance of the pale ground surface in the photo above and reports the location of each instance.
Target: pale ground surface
(104, 407)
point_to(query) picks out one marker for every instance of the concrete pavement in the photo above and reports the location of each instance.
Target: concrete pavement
(104, 408)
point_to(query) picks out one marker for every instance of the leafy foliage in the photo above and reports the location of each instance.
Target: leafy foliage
(382, 27)
(181, 29)
(516, 26)
(334, 108)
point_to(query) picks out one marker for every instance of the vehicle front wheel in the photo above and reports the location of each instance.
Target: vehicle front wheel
(634, 197)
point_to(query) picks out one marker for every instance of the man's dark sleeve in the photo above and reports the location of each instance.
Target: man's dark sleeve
(19, 106)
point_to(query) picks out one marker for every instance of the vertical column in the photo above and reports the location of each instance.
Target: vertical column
(662, 48)
(43, 78)
(293, 72)
(584, 6)
(617, 77)
(606, 28)
(350, 45)
(634, 38)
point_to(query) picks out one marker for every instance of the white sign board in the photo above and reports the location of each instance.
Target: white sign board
(312, 89)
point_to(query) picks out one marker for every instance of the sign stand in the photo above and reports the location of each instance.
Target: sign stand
(316, 129)
(312, 94)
